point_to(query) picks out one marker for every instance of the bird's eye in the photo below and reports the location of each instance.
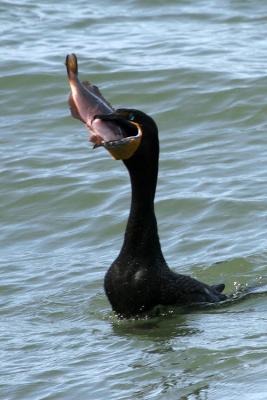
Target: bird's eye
(131, 117)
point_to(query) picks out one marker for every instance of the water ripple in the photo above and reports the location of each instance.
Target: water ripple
(200, 70)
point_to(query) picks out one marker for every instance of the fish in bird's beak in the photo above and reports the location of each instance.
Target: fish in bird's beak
(124, 148)
(120, 137)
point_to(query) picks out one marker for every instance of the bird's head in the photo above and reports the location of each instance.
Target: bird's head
(140, 132)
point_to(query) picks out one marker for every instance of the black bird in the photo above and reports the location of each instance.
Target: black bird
(140, 278)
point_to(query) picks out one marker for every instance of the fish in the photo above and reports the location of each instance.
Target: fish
(86, 102)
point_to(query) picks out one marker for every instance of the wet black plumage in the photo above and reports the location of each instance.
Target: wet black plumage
(139, 278)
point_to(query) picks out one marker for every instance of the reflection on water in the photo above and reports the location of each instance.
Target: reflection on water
(169, 324)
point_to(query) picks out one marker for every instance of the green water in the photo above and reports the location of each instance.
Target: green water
(199, 68)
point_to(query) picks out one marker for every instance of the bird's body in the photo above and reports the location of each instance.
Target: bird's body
(140, 278)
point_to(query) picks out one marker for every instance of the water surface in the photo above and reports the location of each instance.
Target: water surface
(199, 68)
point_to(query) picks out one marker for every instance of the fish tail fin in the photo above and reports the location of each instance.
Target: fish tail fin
(72, 65)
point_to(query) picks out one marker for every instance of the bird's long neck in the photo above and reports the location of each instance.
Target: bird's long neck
(141, 235)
